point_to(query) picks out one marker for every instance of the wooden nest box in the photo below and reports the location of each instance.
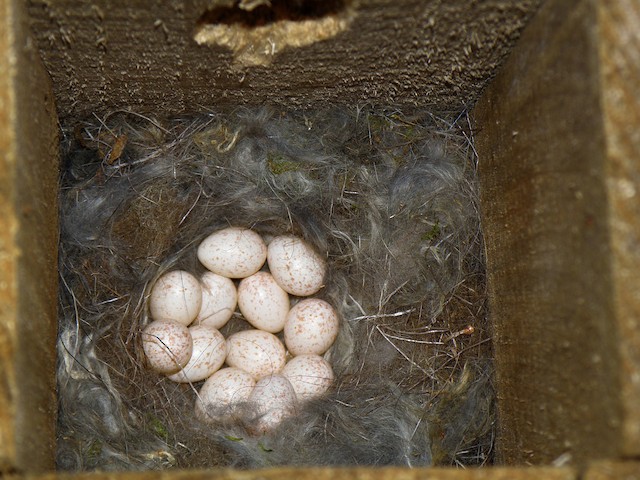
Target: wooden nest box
(556, 105)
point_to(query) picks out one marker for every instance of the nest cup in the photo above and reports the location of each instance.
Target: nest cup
(387, 197)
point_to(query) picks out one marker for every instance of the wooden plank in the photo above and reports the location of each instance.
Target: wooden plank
(619, 41)
(553, 269)
(613, 470)
(559, 144)
(28, 246)
(142, 55)
(328, 474)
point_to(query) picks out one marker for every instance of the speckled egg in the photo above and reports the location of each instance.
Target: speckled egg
(256, 352)
(233, 252)
(222, 391)
(310, 375)
(274, 399)
(176, 296)
(262, 302)
(219, 299)
(209, 353)
(311, 327)
(295, 265)
(167, 345)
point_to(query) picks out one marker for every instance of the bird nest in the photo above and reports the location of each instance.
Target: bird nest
(387, 197)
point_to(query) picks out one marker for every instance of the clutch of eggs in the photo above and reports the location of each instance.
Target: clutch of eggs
(184, 342)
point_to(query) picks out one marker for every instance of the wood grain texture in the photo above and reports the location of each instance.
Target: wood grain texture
(8, 248)
(141, 55)
(619, 41)
(613, 470)
(543, 171)
(329, 474)
(28, 246)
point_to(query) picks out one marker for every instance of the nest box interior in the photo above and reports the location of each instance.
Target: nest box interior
(552, 89)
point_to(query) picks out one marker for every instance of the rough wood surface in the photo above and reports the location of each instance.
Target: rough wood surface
(141, 55)
(612, 470)
(329, 474)
(558, 144)
(619, 27)
(28, 246)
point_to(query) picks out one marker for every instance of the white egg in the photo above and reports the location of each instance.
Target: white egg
(233, 252)
(176, 296)
(262, 302)
(209, 353)
(310, 375)
(295, 265)
(274, 399)
(167, 345)
(222, 391)
(219, 298)
(311, 327)
(256, 352)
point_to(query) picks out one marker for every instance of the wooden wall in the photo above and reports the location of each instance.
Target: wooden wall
(560, 169)
(28, 249)
(142, 54)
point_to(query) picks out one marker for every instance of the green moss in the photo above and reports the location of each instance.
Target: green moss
(399, 160)
(94, 450)
(157, 427)
(433, 233)
(279, 164)
(264, 449)
(378, 124)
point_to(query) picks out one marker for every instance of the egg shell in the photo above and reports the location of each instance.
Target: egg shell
(176, 296)
(262, 302)
(233, 252)
(311, 327)
(209, 353)
(274, 399)
(219, 299)
(295, 265)
(310, 375)
(222, 391)
(256, 352)
(167, 345)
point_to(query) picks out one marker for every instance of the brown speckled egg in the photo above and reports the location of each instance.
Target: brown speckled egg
(222, 391)
(262, 302)
(310, 375)
(311, 327)
(167, 345)
(256, 352)
(295, 265)
(274, 399)
(176, 296)
(233, 252)
(209, 353)
(219, 299)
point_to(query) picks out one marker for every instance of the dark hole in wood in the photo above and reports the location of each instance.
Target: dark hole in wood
(278, 10)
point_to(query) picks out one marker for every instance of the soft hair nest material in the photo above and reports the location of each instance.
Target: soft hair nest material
(388, 197)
